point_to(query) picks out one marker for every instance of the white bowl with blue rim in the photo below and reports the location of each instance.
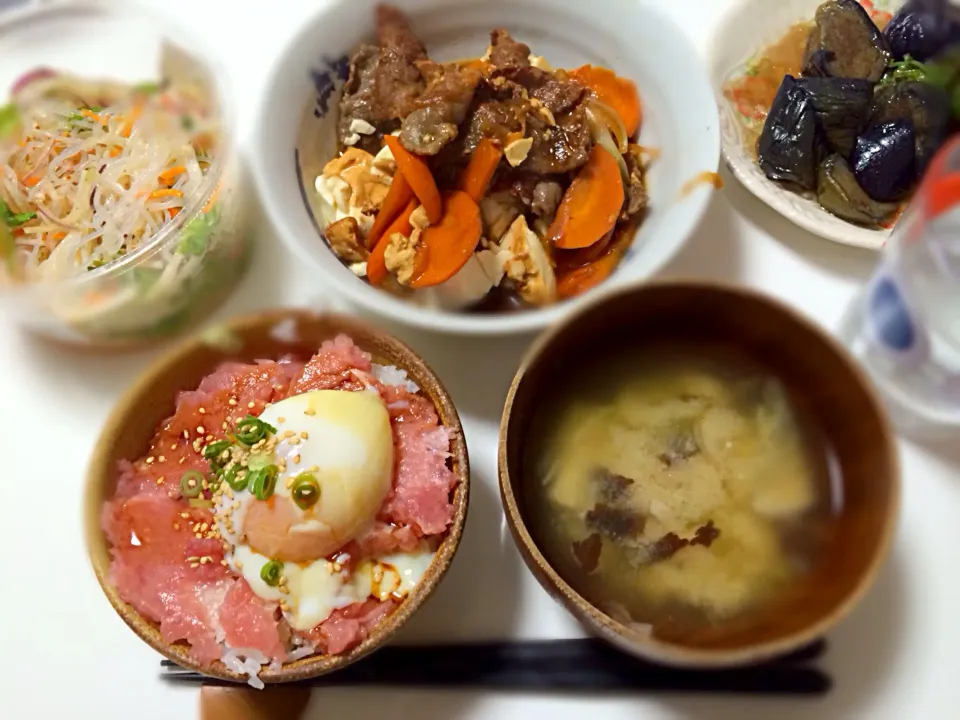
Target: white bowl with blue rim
(296, 135)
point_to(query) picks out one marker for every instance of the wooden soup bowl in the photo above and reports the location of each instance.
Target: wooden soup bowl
(268, 335)
(824, 383)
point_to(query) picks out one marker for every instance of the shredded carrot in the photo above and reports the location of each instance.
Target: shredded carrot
(135, 114)
(59, 235)
(169, 176)
(479, 172)
(398, 197)
(174, 211)
(115, 151)
(164, 193)
(417, 173)
(447, 246)
(591, 205)
(615, 91)
(377, 263)
(213, 199)
(31, 181)
(90, 115)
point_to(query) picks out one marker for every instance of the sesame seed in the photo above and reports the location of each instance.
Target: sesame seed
(309, 411)
(281, 419)
(289, 483)
(185, 516)
(304, 434)
(195, 528)
(171, 494)
(150, 460)
(193, 565)
(251, 405)
(160, 480)
(176, 526)
(202, 411)
(173, 446)
(296, 459)
(232, 401)
(182, 461)
(294, 441)
(205, 559)
(200, 429)
(205, 527)
(186, 435)
(313, 468)
(223, 425)
(162, 458)
(193, 559)
(288, 433)
(238, 564)
(224, 563)
(198, 536)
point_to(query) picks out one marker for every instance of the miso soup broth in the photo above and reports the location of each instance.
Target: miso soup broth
(680, 487)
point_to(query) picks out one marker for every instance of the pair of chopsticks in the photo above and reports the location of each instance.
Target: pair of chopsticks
(554, 665)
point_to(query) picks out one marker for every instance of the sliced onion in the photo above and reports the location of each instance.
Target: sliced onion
(30, 77)
(602, 137)
(611, 120)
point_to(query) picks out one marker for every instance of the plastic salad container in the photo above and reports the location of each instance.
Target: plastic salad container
(121, 196)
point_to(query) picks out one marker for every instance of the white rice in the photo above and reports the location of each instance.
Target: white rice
(245, 661)
(392, 375)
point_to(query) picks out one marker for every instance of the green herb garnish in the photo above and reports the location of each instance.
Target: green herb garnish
(907, 69)
(213, 451)
(191, 483)
(13, 219)
(196, 234)
(252, 430)
(264, 481)
(234, 477)
(305, 491)
(270, 572)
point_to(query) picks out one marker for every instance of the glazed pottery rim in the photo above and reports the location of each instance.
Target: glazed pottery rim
(99, 480)
(640, 643)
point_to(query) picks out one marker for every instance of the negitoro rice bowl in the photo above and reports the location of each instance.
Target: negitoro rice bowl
(285, 511)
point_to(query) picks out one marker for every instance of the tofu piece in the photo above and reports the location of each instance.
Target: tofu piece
(525, 261)
(346, 241)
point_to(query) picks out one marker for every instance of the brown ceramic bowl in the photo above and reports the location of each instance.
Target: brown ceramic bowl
(268, 335)
(821, 378)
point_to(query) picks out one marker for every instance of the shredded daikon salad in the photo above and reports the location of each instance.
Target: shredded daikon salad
(91, 171)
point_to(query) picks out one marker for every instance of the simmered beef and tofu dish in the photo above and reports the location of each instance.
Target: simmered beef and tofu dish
(489, 183)
(284, 510)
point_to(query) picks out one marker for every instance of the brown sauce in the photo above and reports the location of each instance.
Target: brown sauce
(704, 178)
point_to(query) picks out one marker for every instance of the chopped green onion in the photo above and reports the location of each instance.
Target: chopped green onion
(213, 451)
(270, 572)
(235, 478)
(252, 430)
(264, 481)
(190, 483)
(305, 491)
(259, 461)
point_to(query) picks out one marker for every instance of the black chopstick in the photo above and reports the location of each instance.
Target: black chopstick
(555, 665)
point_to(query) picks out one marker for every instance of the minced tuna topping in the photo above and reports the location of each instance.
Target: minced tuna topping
(182, 557)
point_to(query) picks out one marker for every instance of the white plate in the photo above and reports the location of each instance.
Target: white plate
(296, 135)
(745, 31)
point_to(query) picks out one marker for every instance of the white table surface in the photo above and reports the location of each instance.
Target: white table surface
(64, 654)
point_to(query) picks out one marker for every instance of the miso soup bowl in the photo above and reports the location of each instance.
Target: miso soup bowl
(151, 400)
(296, 136)
(819, 375)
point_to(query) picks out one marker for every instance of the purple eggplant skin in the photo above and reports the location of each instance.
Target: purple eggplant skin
(842, 107)
(884, 160)
(921, 29)
(840, 194)
(845, 42)
(789, 147)
(926, 106)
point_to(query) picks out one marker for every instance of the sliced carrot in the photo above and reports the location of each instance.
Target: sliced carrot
(31, 181)
(398, 197)
(479, 172)
(377, 263)
(591, 205)
(449, 244)
(418, 175)
(165, 193)
(598, 266)
(170, 175)
(174, 211)
(617, 92)
(134, 116)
